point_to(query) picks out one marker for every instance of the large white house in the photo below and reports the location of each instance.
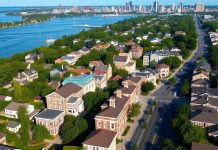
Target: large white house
(11, 110)
(75, 106)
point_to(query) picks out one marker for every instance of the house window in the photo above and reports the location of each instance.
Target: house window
(112, 126)
(99, 124)
(105, 125)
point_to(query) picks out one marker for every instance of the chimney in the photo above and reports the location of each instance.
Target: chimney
(71, 75)
(62, 67)
(104, 106)
(18, 75)
(112, 102)
(126, 84)
(119, 93)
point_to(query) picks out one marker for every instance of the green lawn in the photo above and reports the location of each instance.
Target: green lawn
(71, 148)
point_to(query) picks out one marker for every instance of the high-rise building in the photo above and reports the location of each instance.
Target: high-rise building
(130, 5)
(199, 7)
(156, 6)
(173, 7)
(181, 7)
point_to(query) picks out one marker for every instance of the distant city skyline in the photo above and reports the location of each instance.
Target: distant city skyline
(97, 2)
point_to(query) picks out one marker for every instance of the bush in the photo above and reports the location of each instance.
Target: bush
(172, 81)
(126, 131)
(147, 87)
(145, 125)
(135, 110)
(40, 133)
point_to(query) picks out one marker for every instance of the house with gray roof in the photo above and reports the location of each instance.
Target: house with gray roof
(13, 126)
(26, 76)
(51, 119)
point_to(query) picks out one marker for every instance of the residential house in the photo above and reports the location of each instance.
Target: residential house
(199, 146)
(157, 55)
(101, 47)
(113, 117)
(51, 119)
(163, 70)
(124, 61)
(6, 147)
(148, 75)
(136, 51)
(84, 51)
(58, 72)
(7, 85)
(55, 84)
(100, 81)
(31, 58)
(26, 76)
(11, 111)
(87, 82)
(101, 140)
(120, 48)
(5, 98)
(61, 99)
(2, 138)
(89, 43)
(93, 64)
(200, 75)
(180, 33)
(155, 40)
(76, 41)
(13, 126)
(105, 70)
(75, 106)
(132, 88)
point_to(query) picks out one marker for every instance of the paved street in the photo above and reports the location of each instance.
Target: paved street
(159, 126)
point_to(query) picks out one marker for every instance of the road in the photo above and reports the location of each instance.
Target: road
(159, 126)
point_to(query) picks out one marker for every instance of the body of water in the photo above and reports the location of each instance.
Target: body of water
(20, 39)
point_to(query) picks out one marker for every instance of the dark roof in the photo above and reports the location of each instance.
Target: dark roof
(163, 66)
(202, 82)
(6, 147)
(100, 138)
(135, 79)
(30, 71)
(201, 100)
(15, 106)
(203, 116)
(198, 146)
(49, 114)
(13, 124)
(212, 91)
(128, 90)
(120, 58)
(213, 129)
(68, 89)
(199, 90)
(213, 101)
(114, 112)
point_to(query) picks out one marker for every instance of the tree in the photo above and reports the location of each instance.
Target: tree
(18, 89)
(122, 72)
(168, 42)
(24, 130)
(112, 86)
(173, 61)
(139, 63)
(40, 133)
(172, 81)
(194, 134)
(72, 128)
(186, 87)
(167, 144)
(135, 110)
(147, 87)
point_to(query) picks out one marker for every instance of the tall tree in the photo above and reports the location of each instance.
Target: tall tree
(24, 130)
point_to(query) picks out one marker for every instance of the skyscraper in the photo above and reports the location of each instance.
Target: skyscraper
(156, 6)
(130, 5)
(181, 7)
(199, 7)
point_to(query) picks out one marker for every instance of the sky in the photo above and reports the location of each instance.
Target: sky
(96, 2)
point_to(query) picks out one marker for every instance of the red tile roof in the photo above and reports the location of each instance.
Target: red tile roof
(81, 70)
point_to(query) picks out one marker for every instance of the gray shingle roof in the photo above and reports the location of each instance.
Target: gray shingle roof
(49, 114)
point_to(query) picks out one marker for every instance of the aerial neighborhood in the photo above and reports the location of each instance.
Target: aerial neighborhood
(87, 89)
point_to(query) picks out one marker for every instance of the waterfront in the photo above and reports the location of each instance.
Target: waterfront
(20, 39)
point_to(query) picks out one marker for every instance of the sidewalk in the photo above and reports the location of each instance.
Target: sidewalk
(133, 126)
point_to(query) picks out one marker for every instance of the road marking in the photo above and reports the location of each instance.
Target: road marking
(155, 135)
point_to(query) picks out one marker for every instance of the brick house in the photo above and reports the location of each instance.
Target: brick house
(60, 99)
(136, 51)
(101, 140)
(51, 119)
(113, 117)
(124, 61)
(105, 70)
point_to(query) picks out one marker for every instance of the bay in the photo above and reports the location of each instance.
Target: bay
(23, 38)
